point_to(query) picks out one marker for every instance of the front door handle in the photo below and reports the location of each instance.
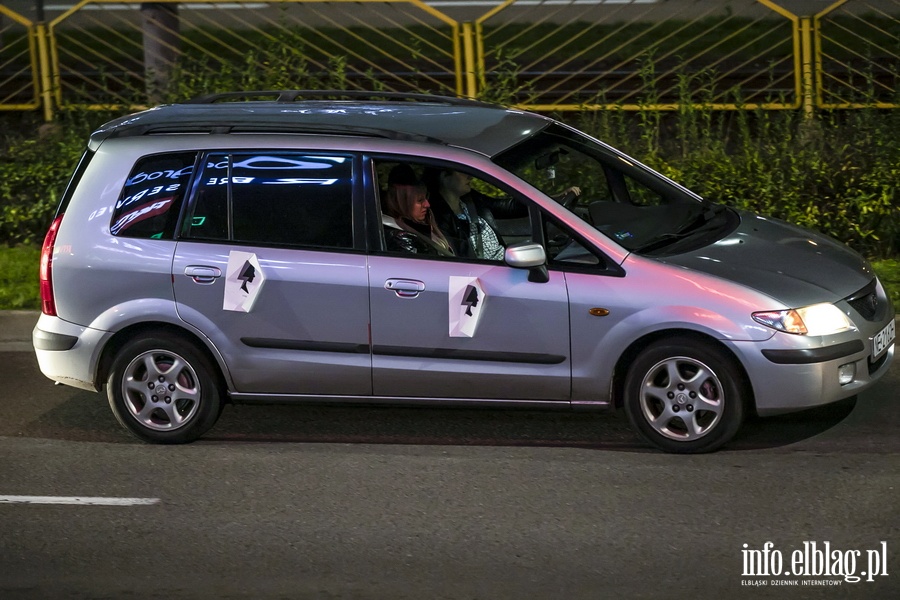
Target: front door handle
(201, 274)
(404, 288)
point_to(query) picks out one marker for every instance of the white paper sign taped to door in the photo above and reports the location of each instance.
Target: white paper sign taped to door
(466, 303)
(244, 280)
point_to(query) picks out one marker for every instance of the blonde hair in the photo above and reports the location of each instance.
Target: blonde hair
(399, 202)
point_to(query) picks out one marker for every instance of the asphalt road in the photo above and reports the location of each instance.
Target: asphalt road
(346, 503)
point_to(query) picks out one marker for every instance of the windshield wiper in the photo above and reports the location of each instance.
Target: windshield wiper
(698, 224)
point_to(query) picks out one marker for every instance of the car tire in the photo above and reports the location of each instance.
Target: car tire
(685, 396)
(164, 390)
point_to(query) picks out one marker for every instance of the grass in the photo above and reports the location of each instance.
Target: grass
(19, 277)
(889, 273)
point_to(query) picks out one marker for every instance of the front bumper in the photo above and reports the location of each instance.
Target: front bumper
(786, 379)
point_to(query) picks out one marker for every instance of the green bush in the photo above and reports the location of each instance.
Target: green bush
(837, 172)
(34, 170)
(889, 273)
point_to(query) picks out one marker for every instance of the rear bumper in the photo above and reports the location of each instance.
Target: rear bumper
(68, 353)
(53, 342)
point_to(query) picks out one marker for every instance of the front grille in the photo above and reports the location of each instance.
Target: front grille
(865, 302)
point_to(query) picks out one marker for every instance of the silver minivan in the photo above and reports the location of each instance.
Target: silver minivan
(232, 249)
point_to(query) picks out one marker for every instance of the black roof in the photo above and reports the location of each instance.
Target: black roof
(478, 126)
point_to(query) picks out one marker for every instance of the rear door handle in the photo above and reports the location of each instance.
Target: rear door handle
(404, 288)
(201, 274)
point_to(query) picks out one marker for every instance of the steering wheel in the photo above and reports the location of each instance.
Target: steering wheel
(568, 200)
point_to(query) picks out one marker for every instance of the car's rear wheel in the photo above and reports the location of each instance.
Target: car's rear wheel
(164, 390)
(683, 395)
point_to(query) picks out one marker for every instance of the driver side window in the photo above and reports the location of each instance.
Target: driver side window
(446, 211)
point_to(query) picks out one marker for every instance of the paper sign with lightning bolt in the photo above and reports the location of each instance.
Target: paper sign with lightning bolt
(467, 299)
(244, 281)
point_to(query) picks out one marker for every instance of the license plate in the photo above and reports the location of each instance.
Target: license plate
(883, 340)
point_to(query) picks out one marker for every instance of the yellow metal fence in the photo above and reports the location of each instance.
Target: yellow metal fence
(19, 70)
(537, 54)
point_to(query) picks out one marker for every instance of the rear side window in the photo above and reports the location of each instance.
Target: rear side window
(151, 199)
(74, 181)
(275, 198)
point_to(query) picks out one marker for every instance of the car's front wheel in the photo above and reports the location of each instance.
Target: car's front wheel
(164, 390)
(683, 395)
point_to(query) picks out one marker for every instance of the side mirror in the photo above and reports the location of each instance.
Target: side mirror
(525, 255)
(531, 256)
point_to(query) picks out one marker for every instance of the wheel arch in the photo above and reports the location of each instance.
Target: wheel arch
(630, 353)
(125, 335)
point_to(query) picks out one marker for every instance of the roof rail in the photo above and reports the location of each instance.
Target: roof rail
(217, 128)
(295, 95)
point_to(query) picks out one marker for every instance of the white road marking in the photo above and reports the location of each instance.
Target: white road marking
(85, 500)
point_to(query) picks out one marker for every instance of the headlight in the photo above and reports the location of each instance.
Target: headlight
(818, 319)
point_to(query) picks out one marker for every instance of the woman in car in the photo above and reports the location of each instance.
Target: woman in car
(409, 225)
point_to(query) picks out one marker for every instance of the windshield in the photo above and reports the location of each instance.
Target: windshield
(641, 210)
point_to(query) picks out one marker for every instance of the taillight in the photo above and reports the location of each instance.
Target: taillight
(48, 305)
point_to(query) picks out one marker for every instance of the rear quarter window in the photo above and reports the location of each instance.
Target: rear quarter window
(152, 196)
(274, 198)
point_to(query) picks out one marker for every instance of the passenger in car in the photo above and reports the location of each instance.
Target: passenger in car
(409, 224)
(467, 217)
